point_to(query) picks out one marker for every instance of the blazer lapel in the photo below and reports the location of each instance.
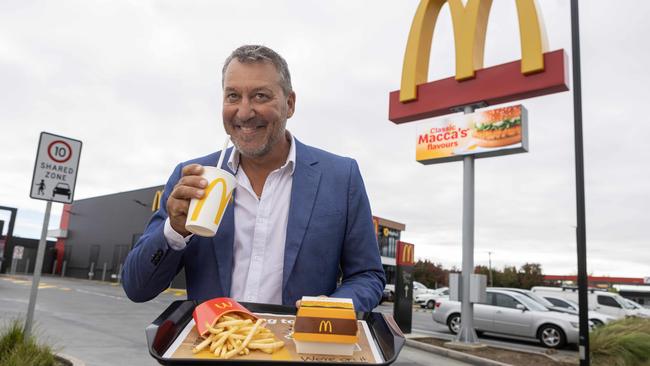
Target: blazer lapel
(224, 241)
(303, 195)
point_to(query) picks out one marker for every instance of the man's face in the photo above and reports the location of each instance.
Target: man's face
(255, 109)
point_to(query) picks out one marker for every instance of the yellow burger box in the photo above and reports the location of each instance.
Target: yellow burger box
(326, 326)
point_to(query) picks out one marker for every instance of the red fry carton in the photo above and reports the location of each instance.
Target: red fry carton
(210, 311)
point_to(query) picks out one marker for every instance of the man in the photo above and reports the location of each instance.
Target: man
(300, 219)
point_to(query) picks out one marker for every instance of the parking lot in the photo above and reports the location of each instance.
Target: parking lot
(96, 323)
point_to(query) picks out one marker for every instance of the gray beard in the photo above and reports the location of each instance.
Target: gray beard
(262, 150)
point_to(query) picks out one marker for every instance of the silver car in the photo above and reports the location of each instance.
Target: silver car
(512, 314)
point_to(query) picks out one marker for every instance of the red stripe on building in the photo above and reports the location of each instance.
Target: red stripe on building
(626, 280)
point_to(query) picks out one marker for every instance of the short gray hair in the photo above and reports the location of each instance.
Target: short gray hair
(257, 53)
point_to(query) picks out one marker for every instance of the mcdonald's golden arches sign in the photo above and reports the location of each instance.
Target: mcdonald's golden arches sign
(405, 254)
(539, 72)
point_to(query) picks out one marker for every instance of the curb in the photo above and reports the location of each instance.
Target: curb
(456, 355)
(73, 361)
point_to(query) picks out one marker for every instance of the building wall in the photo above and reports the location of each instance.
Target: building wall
(102, 230)
(388, 234)
(29, 255)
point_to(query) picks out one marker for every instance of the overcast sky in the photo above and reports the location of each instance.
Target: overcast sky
(139, 82)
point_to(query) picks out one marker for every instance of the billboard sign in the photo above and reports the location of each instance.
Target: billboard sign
(538, 72)
(55, 170)
(482, 134)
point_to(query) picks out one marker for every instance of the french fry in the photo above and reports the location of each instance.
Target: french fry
(202, 345)
(234, 334)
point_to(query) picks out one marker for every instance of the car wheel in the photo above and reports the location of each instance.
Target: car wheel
(431, 304)
(551, 336)
(453, 322)
(597, 323)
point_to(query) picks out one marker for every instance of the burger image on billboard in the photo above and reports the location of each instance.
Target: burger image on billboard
(498, 127)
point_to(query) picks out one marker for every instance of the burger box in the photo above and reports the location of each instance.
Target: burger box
(164, 330)
(326, 326)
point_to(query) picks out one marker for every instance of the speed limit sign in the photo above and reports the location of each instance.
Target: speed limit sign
(55, 171)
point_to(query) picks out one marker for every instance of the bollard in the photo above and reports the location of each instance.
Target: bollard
(104, 272)
(119, 274)
(91, 274)
(27, 266)
(54, 268)
(65, 264)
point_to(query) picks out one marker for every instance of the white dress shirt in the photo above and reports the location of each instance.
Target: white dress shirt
(260, 232)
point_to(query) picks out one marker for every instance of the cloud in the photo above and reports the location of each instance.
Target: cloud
(139, 84)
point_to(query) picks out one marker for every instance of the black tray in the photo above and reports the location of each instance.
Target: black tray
(164, 330)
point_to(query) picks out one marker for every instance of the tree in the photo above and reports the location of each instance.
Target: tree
(509, 277)
(430, 274)
(531, 275)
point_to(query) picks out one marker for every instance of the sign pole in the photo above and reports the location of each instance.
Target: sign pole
(467, 334)
(37, 271)
(583, 341)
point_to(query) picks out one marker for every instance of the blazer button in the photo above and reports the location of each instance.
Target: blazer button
(155, 258)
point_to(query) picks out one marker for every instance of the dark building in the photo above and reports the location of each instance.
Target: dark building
(28, 260)
(99, 232)
(388, 234)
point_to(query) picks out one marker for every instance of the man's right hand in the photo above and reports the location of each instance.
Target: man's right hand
(191, 185)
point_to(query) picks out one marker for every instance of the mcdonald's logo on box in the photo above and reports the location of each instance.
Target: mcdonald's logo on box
(405, 254)
(537, 73)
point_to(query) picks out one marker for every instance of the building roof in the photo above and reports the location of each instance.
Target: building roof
(390, 224)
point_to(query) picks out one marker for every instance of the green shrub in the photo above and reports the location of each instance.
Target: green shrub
(625, 342)
(15, 350)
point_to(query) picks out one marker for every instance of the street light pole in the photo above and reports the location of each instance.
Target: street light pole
(490, 268)
(581, 236)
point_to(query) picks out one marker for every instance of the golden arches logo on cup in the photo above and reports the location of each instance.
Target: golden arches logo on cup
(205, 214)
(157, 198)
(325, 326)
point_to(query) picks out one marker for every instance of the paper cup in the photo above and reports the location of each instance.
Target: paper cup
(205, 214)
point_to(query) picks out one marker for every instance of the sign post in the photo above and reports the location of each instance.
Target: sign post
(54, 179)
(581, 235)
(403, 308)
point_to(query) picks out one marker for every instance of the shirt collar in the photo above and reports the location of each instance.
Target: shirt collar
(233, 161)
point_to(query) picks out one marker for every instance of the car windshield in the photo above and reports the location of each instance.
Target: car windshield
(539, 299)
(572, 303)
(624, 302)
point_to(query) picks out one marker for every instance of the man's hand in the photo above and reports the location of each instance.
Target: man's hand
(191, 185)
(298, 302)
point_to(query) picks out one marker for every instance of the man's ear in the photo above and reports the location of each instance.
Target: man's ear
(291, 104)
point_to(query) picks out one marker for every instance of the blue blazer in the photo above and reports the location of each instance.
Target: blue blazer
(329, 234)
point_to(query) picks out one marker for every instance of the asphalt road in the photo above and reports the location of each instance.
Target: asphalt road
(96, 323)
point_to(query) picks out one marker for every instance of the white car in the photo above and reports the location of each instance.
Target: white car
(640, 310)
(598, 300)
(512, 314)
(428, 300)
(420, 289)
